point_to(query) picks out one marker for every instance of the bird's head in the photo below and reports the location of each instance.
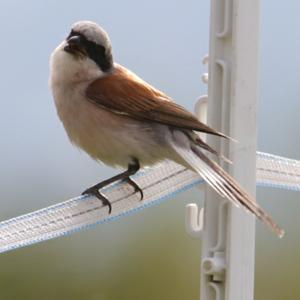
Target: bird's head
(85, 53)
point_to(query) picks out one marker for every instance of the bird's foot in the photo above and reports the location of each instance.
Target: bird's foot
(125, 176)
(95, 192)
(135, 186)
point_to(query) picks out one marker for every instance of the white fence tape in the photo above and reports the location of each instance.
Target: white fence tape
(158, 183)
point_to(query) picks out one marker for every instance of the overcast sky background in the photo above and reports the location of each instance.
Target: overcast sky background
(164, 42)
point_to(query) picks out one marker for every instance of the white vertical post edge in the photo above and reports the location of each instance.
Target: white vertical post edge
(228, 239)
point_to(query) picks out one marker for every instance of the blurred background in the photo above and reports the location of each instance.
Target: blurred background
(147, 255)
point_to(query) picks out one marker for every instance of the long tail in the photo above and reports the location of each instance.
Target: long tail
(219, 180)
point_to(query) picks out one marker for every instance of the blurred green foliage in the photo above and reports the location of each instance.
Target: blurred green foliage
(147, 255)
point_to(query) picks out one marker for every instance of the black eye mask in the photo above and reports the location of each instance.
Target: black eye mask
(101, 56)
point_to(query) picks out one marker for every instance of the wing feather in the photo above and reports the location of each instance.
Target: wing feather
(122, 92)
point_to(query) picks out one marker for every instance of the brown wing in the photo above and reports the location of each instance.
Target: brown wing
(122, 92)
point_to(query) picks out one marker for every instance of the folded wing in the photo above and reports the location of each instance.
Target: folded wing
(122, 92)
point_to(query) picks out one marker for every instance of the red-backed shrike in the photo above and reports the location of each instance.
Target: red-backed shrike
(121, 120)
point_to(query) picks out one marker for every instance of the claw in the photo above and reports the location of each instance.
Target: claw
(135, 186)
(98, 195)
(133, 167)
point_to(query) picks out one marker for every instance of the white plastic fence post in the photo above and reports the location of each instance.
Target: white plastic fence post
(229, 233)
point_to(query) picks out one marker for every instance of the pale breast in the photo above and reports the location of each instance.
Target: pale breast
(105, 136)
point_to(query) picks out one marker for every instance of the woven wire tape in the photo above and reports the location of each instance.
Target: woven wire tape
(158, 183)
(277, 171)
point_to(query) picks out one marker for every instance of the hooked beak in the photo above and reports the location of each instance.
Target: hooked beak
(74, 45)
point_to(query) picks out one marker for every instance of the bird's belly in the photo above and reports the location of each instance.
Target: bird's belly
(113, 139)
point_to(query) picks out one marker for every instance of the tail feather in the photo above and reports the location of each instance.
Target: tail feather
(223, 183)
(195, 137)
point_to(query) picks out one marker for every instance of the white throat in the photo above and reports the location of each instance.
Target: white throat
(66, 69)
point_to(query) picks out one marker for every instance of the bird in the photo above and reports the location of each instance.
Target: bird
(122, 121)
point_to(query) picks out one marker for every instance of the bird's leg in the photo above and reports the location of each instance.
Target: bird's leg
(133, 167)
